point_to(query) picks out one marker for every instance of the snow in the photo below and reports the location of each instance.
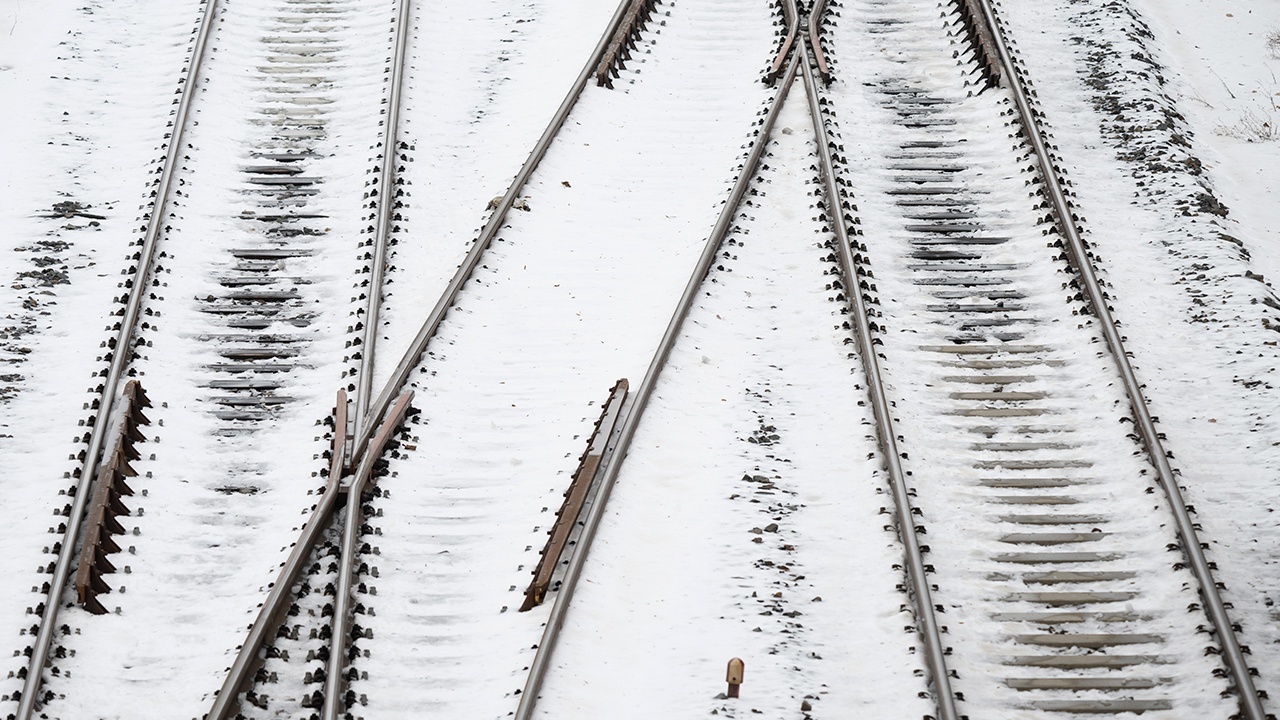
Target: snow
(1163, 112)
(1181, 215)
(1226, 58)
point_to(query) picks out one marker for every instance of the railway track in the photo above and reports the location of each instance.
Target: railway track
(39, 650)
(1046, 572)
(762, 466)
(346, 656)
(243, 355)
(1048, 552)
(1067, 620)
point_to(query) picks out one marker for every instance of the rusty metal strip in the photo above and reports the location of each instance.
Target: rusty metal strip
(790, 19)
(583, 479)
(105, 505)
(379, 442)
(386, 199)
(409, 361)
(624, 41)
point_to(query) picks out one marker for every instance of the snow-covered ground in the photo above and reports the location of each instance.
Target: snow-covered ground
(1164, 113)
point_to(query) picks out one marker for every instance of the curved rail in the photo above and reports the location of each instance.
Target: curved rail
(930, 631)
(1251, 705)
(617, 448)
(386, 203)
(119, 355)
(400, 376)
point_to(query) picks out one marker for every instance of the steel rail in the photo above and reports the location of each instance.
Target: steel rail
(1251, 705)
(333, 682)
(271, 614)
(640, 399)
(930, 630)
(119, 359)
(386, 202)
(400, 376)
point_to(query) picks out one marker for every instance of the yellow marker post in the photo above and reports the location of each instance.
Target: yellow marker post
(733, 675)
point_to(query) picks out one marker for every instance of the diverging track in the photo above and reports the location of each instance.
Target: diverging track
(450, 528)
(507, 386)
(769, 544)
(1007, 422)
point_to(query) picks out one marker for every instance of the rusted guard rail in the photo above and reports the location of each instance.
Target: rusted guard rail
(624, 41)
(854, 292)
(105, 506)
(791, 20)
(1078, 253)
(575, 497)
